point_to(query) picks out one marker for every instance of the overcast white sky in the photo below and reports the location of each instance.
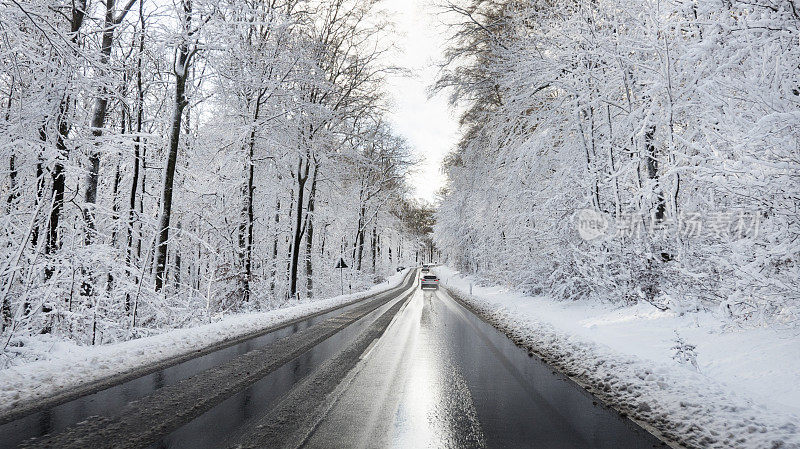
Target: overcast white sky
(428, 124)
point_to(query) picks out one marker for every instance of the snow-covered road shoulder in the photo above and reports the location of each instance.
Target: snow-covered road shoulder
(743, 392)
(70, 367)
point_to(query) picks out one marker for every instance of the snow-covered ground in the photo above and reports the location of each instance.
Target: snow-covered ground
(64, 365)
(743, 392)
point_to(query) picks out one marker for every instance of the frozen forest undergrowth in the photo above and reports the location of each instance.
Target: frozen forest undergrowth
(170, 163)
(625, 151)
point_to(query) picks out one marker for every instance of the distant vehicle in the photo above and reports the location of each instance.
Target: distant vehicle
(426, 268)
(429, 281)
(399, 269)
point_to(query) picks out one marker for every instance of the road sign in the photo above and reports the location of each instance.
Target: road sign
(341, 266)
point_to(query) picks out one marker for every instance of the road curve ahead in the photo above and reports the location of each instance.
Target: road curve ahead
(416, 370)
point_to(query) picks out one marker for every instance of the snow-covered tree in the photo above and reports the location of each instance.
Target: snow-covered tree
(676, 122)
(166, 163)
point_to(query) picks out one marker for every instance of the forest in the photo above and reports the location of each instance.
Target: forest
(625, 151)
(167, 163)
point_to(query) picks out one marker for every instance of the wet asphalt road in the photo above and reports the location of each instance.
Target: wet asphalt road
(414, 370)
(440, 377)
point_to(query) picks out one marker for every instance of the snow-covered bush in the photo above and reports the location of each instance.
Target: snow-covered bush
(684, 353)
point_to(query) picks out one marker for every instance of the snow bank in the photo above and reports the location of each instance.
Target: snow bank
(66, 366)
(744, 391)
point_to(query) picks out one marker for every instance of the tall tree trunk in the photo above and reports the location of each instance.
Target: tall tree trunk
(115, 202)
(137, 155)
(178, 259)
(59, 185)
(12, 179)
(287, 239)
(12, 163)
(39, 193)
(373, 246)
(117, 180)
(360, 248)
(110, 23)
(181, 71)
(651, 288)
(324, 238)
(612, 165)
(247, 234)
(199, 259)
(5, 308)
(98, 122)
(359, 240)
(115, 218)
(276, 235)
(301, 176)
(63, 127)
(241, 275)
(588, 152)
(143, 184)
(652, 170)
(310, 234)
